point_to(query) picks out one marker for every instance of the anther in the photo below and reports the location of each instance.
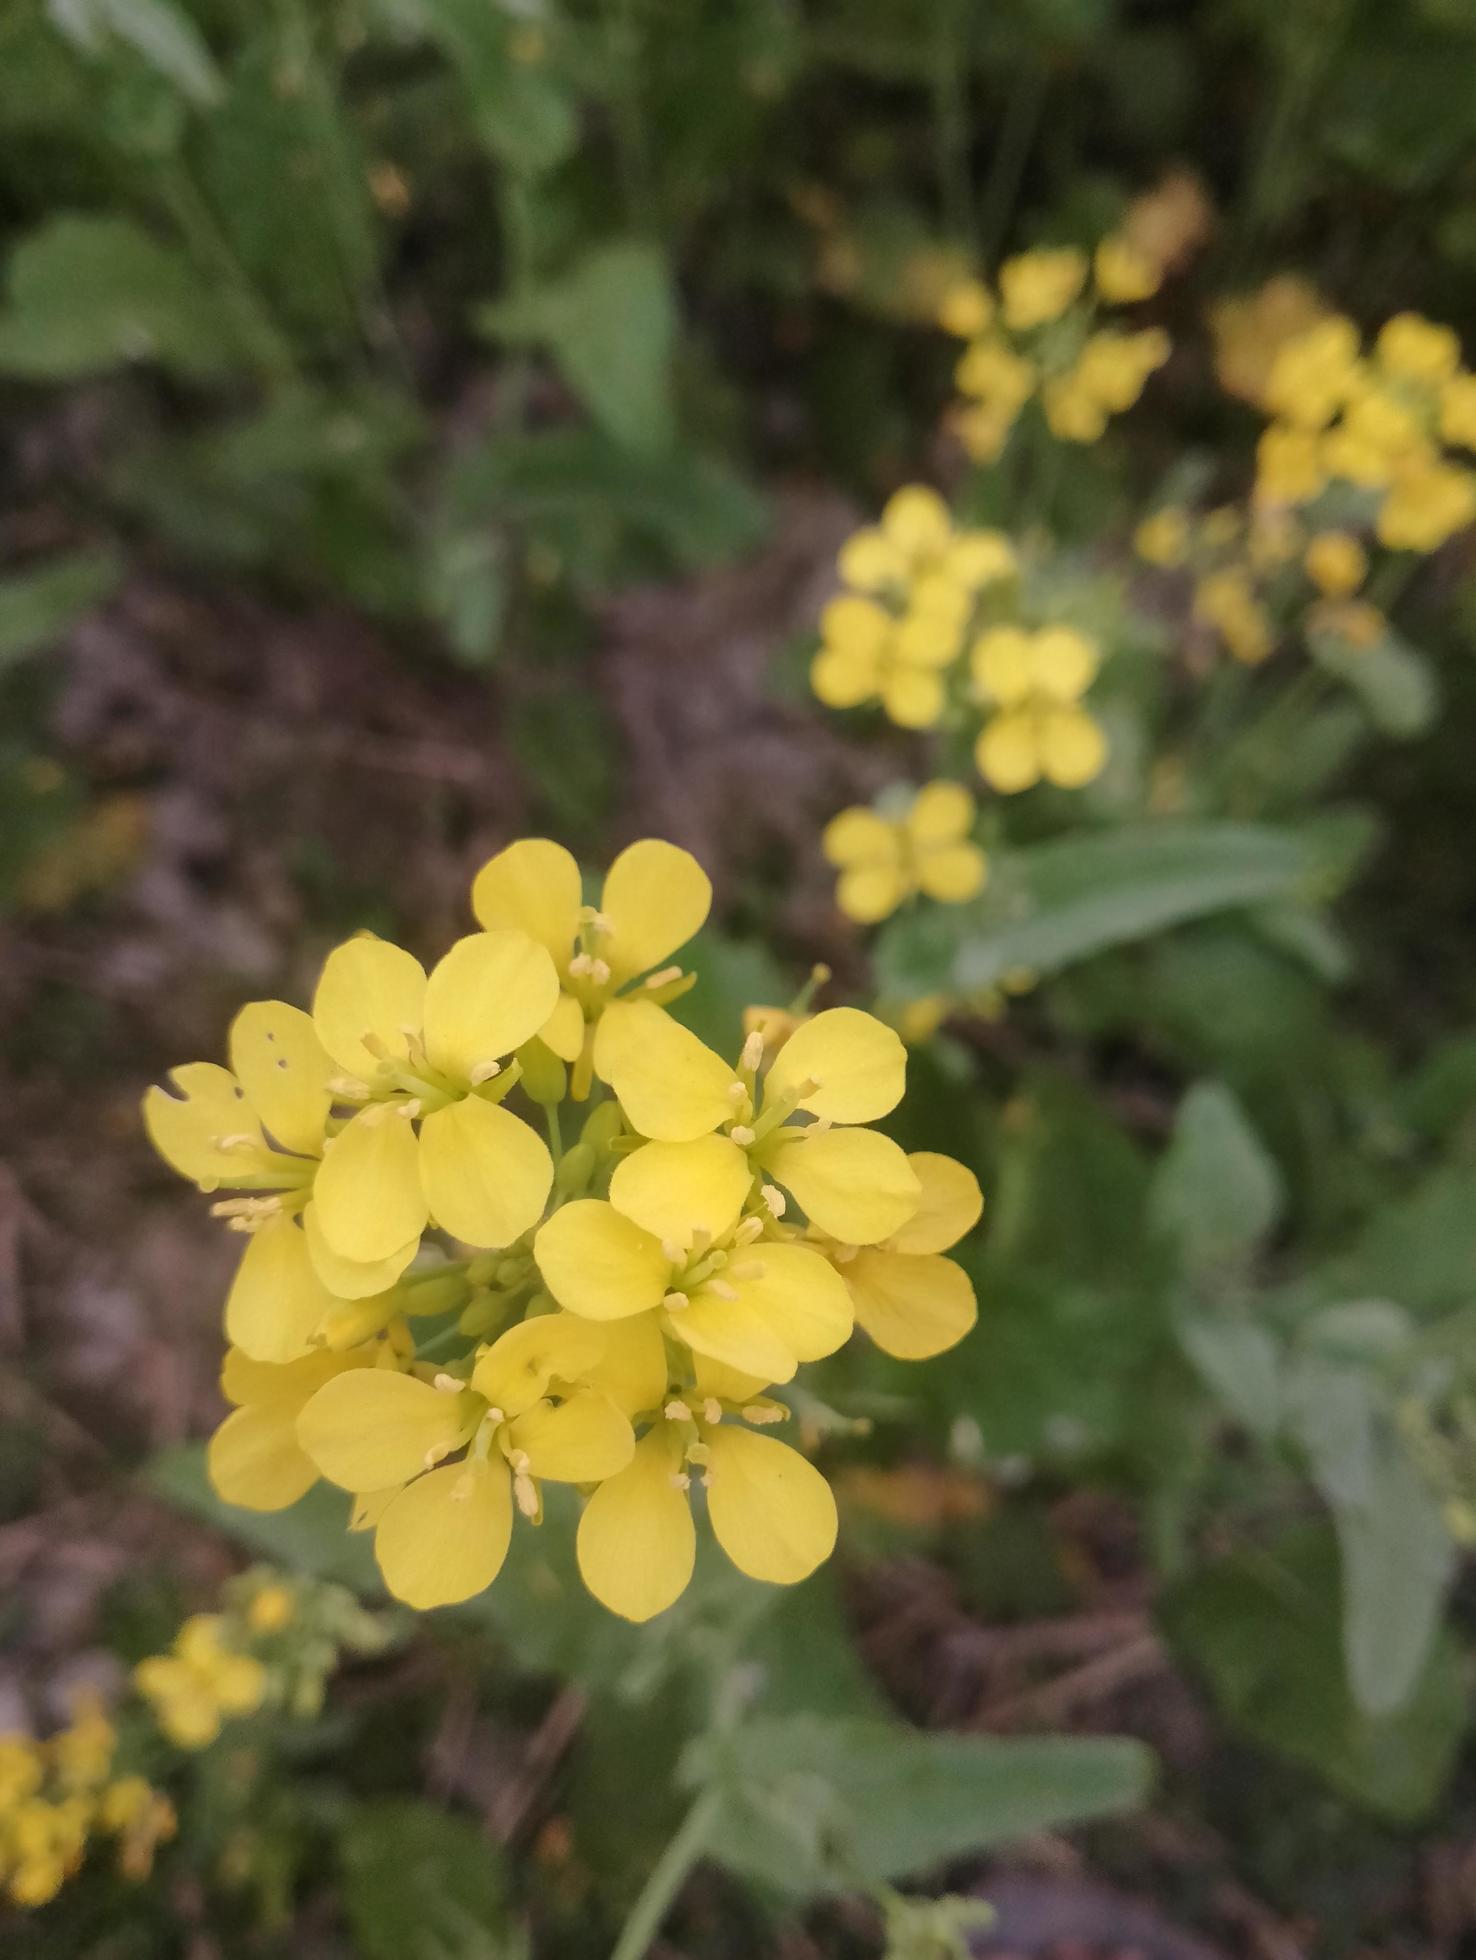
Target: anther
(810, 1086)
(762, 1413)
(742, 1135)
(844, 1254)
(675, 1301)
(447, 1384)
(601, 924)
(776, 1201)
(720, 1290)
(712, 1410)
(737, 1093)
(664, 977)
(348, 1088)
(672, 1253)
(679, 1480)
(434, 1454)
(599, 970)
(753, 1051)
(580, 965)
(483, 1072)
(526, 1493)
(676, 1411)
(409, 1110)
(750, 1269)
(748, 1231)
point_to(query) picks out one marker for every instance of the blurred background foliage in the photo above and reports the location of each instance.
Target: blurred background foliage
(431, 419)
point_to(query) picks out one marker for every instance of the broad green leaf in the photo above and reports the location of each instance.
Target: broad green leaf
(424, 1884)
(85, 294)
(1056, 903)
(1394, 683)
(1398, 1560)
(1239, 1362)
(813, 1805)
(1217, 1191)
(523, 109)
(1264, 1628)
(312, 1537)
(1418, 1250)
(610, 323)
(158, 30)
(39, 605)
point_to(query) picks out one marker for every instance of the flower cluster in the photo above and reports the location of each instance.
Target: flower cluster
(1031, 685)
(1040, 337)
(1380, 420)
(613, 1314)
(57, 1795)
(913, 585)
(914, 844)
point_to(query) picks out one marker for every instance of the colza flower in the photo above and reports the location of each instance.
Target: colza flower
(1034, 683)
(884, 860)
(426, 1058)
(843, 1068)
(911, 1301)
(655, 897)
(254, 1458)
(200, 1683)
(913, 583)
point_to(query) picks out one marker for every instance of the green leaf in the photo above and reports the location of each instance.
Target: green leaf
(812, 1805)
(312, 1537)
(1263, 1626)
(1217, 1191)
(39, 605)
(90, 293)
(422, 1884)
(158, 30)
(1398, 1560)
(1394, 683)
(1240, 1363)
(1056, 903)
(524, 112)
(611, 325)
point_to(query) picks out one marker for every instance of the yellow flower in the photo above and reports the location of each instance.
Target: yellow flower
(254, 1458)
(844, 1069)
(1123, 272)
(993, 374)
(1458, 411)
(915, 543)
(22, 1770)
(654, 898)
(885, 861)
(202, 1681)
(911, 1301)
(1037, 287)
(1166, 224)
(1314, 373)
(433, 1144)
(1289, 465)
(1226, 600)
(967, 309)
(1163, 537)
(271, 1609)
(1426, 505)
(1336, 563)
(1251, 329)
(82, 1753)
(1073, 412)
(442, 1528)
(1354, 621)
(1035, 683)
(1416, 349)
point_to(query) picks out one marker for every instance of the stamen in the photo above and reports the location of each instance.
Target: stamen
(435, 1453)
(712, 1410)
(676, 1411)
(707, 1480)
(520, 1461)
(448, 1384)
(742, 1135)
(661, 979)
(737, 1093)
(672, 1253)
(526, 1493)
(749, 1230)
(810, 1086)
(600, 924)
(347, 1088)
(753, 1051)
(720, 1290)
(762, 1413)
(240, 1140)
(775, 1199)
(409, 1110)
(844, 1254)
(580, 966)
(599, 970)
(679, 1480)
(675, 1301)
(483, 1072)
(750, 1269)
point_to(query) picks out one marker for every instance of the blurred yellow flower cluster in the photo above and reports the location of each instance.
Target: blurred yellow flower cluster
(912, 586)
(611, 1315)
(203, 1681)
(1031, 685)
(1380, 419)
(57, 1795)
(924, 847)
(1040, 336)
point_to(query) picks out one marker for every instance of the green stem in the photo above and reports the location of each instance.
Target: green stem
(259, 332)
(1016, 134)
(632, 151)
(951, 123)
(667, 1877)
(555, 1133)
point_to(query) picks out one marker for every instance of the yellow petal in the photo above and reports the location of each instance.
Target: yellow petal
(916, 522)
(1072, 748)
(597, 1263)
(941, 813)
(674, 1190)
(913, 1305)
(368, 1196)
(844, 677)
(738, 1333)
(444, 1538)
(276, 1299)
(564, 1029)
(632, 1367)
(951, 1204)
(284, 1068)
(370, 987)
(582, 1441)
(801, 1296)
(867, 893)
(254, 1458)
(859, 836)
(671, 1085)
(855, 1185)
(492, 992)
(533, 886)
(1003, 664)
(1065, 662)
(913, 696)
(858, 1062)
(370, 1428)
(656, 896)
(772, 1512)
(637, 1543)
(727, 1384)
(286, 1384)
(485, 1173)
(516, 1371)
(952, 874)
(187, 1126)
(353, 1279)
(1007, 754)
